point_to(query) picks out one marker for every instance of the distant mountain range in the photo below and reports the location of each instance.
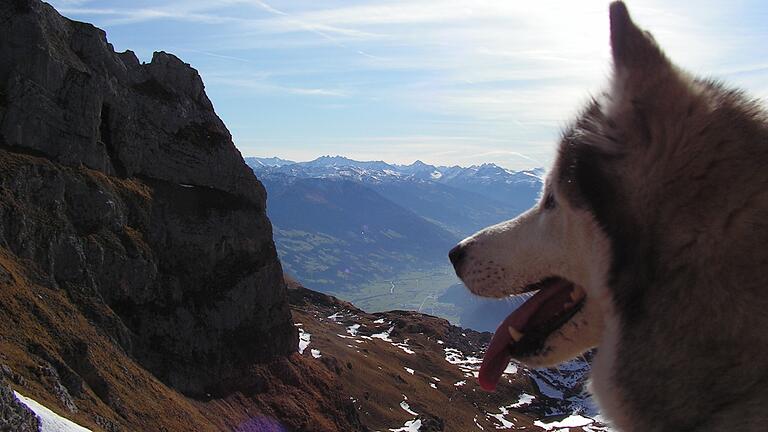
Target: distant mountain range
(489, 180)
(460, 200)
(340, 224)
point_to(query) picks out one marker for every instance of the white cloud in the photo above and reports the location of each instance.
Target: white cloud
(257, 85)
(501, 75)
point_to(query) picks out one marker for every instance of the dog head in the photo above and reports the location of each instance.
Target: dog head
(617, 165)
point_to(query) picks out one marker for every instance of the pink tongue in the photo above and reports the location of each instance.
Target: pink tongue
(497, 356)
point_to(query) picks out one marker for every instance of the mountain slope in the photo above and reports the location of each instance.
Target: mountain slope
(460, 200)
(335, 234)
(268, 162)
(139, 284)
(404, 369)
(512, 188)
(458, 211)
(412, 272)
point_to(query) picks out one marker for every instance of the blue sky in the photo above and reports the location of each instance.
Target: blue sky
(444, 81)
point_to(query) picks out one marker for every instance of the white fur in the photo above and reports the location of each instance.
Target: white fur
(503, 259)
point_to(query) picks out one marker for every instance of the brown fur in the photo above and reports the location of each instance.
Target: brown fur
(662, 190)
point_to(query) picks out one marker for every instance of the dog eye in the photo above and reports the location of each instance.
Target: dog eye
(549, 201)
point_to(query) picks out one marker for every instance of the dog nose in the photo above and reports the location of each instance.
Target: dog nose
(456, 255)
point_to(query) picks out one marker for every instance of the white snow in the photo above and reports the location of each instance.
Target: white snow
(547, 389)
(404, 346)
(454, 356)
(524, 399)
(316, 353)
(379, 321)
(574, 420)
(49, 420)
(384, 335)
(436, 379)
(530, 174)
(505, 424)
(460, 383)
(410, 426)
(409, 370)
(335, 316)
(511, 369)
(433, 385)
(469, 365)
(303, 340)
(404, 405)
(353, 329)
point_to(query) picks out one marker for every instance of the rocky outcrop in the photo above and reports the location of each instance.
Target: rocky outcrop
(15, 416)
(121, 187)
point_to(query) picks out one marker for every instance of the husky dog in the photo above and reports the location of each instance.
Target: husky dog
(650, 242)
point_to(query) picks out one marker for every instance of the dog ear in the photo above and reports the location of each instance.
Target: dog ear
(635, 53)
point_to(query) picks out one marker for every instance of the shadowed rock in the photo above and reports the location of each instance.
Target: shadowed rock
(121, 185)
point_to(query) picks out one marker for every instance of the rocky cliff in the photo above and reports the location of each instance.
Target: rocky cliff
(139, 284)
(123, 188)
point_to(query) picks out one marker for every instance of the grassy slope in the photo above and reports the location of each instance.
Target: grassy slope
(373, 371)
(56, 343)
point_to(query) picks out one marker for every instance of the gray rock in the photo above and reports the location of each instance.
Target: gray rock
(14, 415)
(49, 376)
(123, 187)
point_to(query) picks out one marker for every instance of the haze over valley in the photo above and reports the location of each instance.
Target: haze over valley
(377, 234)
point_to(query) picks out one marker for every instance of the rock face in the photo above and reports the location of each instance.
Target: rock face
(14, 416)
(122, 188)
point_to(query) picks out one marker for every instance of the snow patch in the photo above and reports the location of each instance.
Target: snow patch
(353, 329)
(524, 399)
(505, 424)
(478, 424)
(404, 405)
(316, 353)
(469, 365)
(303, 340)
(547, 389)
(404, 346)
(49, 420)
(409, 370)
(384, 335)
(410, 426)
(511, 369)
(574, 420)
